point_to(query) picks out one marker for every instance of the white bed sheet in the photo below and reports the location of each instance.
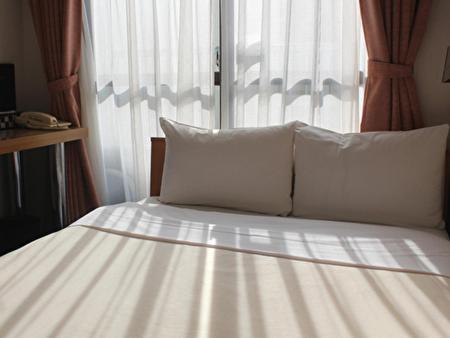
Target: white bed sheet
(355, 244)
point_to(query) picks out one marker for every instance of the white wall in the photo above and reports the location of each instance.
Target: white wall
(33, 83)
(10, 52)
(433, 94)
(11, 35)
(18, 45)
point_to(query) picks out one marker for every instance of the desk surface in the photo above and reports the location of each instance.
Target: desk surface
(19, 139)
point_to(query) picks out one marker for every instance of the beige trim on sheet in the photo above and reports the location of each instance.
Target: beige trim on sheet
(258, 252)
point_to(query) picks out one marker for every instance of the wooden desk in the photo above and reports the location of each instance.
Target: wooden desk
(13, 140)
(16, 140)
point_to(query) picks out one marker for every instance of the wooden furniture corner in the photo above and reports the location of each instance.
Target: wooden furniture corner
(157, 165)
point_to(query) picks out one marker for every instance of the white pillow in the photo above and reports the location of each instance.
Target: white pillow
(248, 169)
(393, 178)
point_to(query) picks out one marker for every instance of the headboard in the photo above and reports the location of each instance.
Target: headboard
(157, 167)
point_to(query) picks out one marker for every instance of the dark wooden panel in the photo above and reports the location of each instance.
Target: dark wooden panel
(157, 165)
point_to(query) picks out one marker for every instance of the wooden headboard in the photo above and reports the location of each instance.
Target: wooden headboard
(157, 167)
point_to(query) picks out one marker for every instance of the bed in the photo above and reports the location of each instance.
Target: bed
(156, 270)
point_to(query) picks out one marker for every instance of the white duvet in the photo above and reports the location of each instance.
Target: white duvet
(375, 246)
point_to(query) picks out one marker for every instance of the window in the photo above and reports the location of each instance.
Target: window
(293, 60)
(277, 60)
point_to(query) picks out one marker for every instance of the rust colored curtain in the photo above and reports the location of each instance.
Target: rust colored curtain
(58, 26)
(393, 30)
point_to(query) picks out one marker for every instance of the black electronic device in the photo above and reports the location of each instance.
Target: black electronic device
(7, 88)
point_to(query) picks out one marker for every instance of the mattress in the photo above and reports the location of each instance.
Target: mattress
(151, 270)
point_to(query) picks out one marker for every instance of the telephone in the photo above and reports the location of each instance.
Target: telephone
(37, 120)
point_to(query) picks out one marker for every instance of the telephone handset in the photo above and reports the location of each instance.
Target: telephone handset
(38, 120)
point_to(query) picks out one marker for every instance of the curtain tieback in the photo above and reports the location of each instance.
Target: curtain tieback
(389, 70)
(62, 84)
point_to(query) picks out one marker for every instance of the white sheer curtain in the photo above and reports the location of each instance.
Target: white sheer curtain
(282, 60)
(142, 59)
(293, 60)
